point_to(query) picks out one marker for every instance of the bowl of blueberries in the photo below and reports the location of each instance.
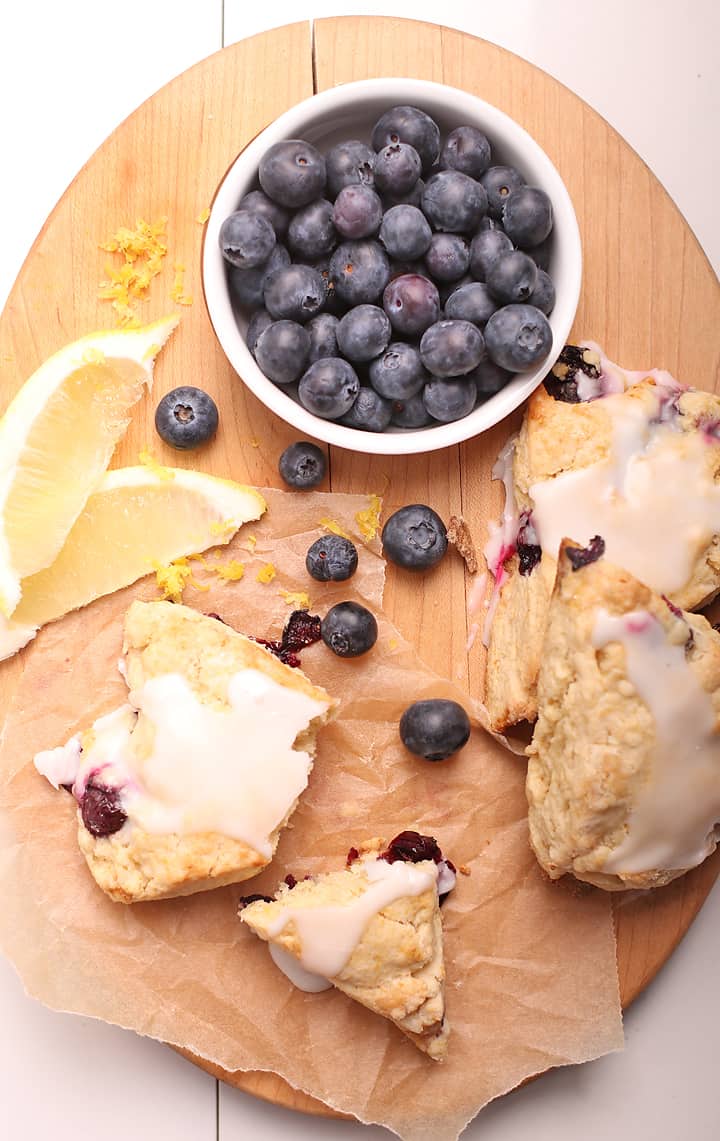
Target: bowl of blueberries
(392, 266)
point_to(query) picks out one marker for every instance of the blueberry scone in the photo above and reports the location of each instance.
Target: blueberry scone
(632, 457)
(187, 786)
(372, 929)
(623, 780)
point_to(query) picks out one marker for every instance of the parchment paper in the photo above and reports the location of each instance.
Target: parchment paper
(532, 979)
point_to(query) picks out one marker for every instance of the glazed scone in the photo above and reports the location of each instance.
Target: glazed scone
(623, 781)
(187, 786)
(633, 458)
(373, 930)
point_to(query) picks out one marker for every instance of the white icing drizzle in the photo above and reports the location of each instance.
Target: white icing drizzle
(655, 506)
(501, 543)
(447, 878)
(295, 971)
(328, 935)
(60, 766)
(672, 823)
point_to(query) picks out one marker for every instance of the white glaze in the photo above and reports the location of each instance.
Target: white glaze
(655, 506)
(671, 825)
(329, 935)
(295, 971)
(446, 879)
(60, 766)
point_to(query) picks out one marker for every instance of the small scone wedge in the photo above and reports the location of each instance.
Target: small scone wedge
(623, 781)
(188, 785)
(631, 457)
(373, 930)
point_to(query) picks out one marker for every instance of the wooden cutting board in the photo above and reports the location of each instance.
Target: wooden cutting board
(649, 297)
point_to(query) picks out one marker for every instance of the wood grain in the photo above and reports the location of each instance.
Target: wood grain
(649, 296)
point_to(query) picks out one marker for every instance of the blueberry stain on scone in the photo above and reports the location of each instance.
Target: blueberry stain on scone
(583, 556)
(527, 545)
(562, 381)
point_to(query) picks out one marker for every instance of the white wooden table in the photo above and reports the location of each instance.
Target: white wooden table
(69, 73)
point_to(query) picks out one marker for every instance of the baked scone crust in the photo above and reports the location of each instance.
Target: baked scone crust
(161, 637)
(592, 748)
(396, 970)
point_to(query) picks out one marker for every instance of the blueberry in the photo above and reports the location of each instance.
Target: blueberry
(435, 728)
(408, 125)
(412, 198)
(282, 351)
(186, 418)
(488, 223)
(527, 216)
(292, 172)
(397, 169)
(410, 413)
(312, 233)
(485, 249)
(451, 348)
(489, 378)
(399, 373)
(499, 182)
(471, 302)
(448, 257)
(295, 293)
(453, 202)
(246, 239)
(517, 337)
(414, 537)
(357, 212)
(332, 559)
(405, 232)
(363, 333)
(323, 336)
(349, 163)
(247, 286)
(360, 271)
(512, 278)
(466, 149)
(447, 288)
(302, 465)
(101, 810)
(349, 630)
(412, 303)
(258, 203)
(451, 399)
(329, 388)
(333, 304)
(258, 324)
(543, 295)
(370, 412)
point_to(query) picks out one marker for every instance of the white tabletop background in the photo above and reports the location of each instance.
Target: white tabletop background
(70, 71)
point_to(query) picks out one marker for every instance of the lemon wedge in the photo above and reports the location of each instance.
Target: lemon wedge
(135, 519)
(56, 440)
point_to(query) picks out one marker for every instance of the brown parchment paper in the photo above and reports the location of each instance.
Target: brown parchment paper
(531, 969)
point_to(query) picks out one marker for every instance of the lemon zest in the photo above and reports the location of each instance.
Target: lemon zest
(393, 644)
(143, 252)
(231, 571)
(266, 574)
(297, 598)
(227, 527)
(251, 542)
(331, 525)
(203, 216)
(147, 459)
(174, 577)
(177, 293)
(368, 520)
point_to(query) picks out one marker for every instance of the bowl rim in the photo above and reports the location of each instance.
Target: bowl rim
(220, 311)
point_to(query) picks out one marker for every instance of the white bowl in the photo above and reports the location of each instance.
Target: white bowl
(349, 112)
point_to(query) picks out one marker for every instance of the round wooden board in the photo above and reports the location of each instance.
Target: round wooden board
(649, 297)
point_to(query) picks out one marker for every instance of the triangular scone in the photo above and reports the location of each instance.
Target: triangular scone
(590, 415)
(187, 786)
(623, 781)
(374, 931)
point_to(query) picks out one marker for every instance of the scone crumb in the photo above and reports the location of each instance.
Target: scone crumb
(368, 520)
(464, 870)
(335, 528)
(458, 533)
(266, 573)
(298, 599)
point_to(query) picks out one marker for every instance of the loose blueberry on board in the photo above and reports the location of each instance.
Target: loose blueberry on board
(498, 182)
(295, 293)
(466, 149)
(329, 388)
(397, 169)
(311, 233)
(247, 286)
(406, 124)
(450, 399)
(453, 202)
(414, 537)
(543, 295)
(101, 810)
(434, 729)
(332, 559)
(471, 302)
(357, 212)
(246, 239)
(360, 271)
(410, 412)
(302, 465)
(363, 333)
(283, 351)
(186, 418)
(527, 216)
(451, 348)
(399, 373)
(412, 303)
(349, 630)
(349, 163)
(370, 412)
(292, 173)
(323, 336)
(405, 232)
(257, 202)
(512, 278)
(485, 249)
(518, 337)
(448, 257)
